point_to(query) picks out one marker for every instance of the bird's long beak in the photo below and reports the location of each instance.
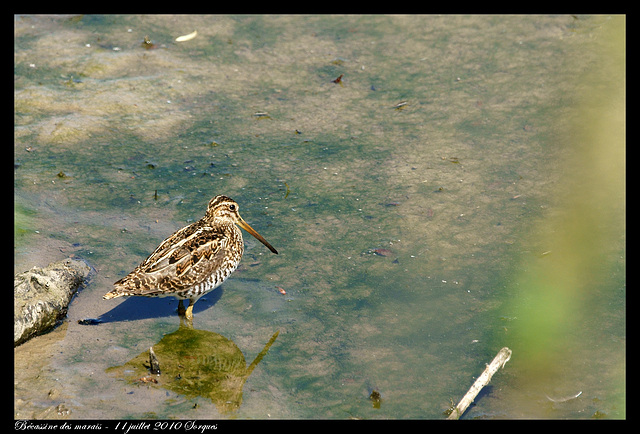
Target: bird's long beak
(244, 225)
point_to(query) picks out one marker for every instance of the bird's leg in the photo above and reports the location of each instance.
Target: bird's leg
(181, 310)
(189, 313)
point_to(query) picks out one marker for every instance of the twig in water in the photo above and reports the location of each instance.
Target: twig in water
(498, 362)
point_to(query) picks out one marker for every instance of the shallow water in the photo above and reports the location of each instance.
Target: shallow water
(406, 201)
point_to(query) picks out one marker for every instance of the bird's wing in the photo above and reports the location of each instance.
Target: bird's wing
(184, 259)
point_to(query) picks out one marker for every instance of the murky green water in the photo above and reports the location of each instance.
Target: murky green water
(406, 202)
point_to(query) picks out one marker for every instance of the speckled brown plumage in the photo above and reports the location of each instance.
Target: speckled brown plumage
(194, 260)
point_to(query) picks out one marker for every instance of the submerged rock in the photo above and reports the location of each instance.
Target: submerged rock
(42, 295)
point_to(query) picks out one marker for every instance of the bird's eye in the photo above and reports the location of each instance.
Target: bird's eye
(232, 207)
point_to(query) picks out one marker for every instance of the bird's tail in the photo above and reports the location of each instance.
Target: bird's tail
(119, 291)
(113, 294)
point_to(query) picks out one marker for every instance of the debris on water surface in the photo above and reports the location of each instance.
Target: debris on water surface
(449, 410)
(147, 379)
(188, 37)
(62, 410)
(148, 44)
(375, 398)
(153, 362)
(338, 80)
(89, 321)
(281, 290)
(564, 398)
(381, 252)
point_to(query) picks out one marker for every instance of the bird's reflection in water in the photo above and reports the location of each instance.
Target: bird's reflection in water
(195, 363)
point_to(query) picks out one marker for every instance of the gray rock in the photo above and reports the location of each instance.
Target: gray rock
(42, 295)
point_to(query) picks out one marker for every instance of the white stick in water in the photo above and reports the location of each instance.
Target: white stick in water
(498, 362)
